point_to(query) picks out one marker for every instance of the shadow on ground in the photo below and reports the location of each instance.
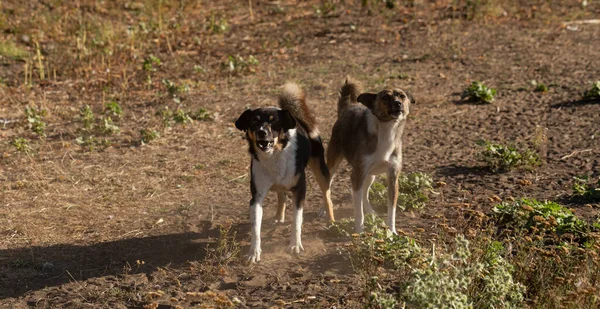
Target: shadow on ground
(32, 268)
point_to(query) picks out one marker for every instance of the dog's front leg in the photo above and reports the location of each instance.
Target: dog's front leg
(259, 187)
(299, 194)
(358, 181)
(256, 213)
(392, 176)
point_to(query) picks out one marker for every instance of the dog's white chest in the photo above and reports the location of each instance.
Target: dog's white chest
(277, 170)
(379, 161)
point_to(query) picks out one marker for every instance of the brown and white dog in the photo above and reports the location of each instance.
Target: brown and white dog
(280, 151)
(369, 137)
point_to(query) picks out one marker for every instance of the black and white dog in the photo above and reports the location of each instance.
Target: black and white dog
(280, 151)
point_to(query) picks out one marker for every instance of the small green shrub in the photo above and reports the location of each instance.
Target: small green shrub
(593, 93)
(500, 157)
(547, 215)
(325, 8)
(86, 115)
(541, 88)
(148, 135)
(35, 119)
(237, 64)
(200, 114)
(413, 191)
(107, 126)
(585, 190)
(113, 109)
(181, 116)
(216, 24)
(150, 62)
(479, 93)
(21, 144)
(463, 277)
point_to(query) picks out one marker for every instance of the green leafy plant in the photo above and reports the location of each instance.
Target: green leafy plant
(150, 62)
(479, 93)
(413, 191)
(216, 24)
(21, 144)
(463, 277)
(200, 114)
(585, 189)
(107, 126)
(539, 87)
(181, 116)
(86, 115)
(35, 119)
(237, 64)
(113, 109)
(500, 157)
(593, 93)
(325, 8)
(547, 215)
(148, 135)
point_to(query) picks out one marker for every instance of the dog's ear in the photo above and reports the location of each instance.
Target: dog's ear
(410, 97)
(368, 99)
(243, 122)
(287, 120)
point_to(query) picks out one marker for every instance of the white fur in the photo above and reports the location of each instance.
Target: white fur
(295, 237)
(277, 171)
(374, 164)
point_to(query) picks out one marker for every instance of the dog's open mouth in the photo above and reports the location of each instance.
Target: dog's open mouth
(264, 145)
(396, 114)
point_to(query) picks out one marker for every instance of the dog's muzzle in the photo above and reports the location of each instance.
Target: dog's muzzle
(396, 110)
(264, 144)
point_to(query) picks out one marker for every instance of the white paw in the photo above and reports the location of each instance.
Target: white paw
(295, 247)
(254, 255)
(278, 220)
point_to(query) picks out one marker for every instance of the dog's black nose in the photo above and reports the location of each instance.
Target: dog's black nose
(261, 133)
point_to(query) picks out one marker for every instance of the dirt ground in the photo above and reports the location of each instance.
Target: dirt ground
(135, 225)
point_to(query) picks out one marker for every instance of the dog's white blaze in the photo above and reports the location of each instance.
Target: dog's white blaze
(278, 169)
(378, 162)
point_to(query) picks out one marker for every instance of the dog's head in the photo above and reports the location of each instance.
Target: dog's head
(389, 104)
(265, 127)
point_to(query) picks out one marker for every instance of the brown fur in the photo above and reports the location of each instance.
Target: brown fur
(358, 133)
(293, 99)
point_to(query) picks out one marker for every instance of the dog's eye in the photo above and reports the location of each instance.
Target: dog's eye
(402, 97)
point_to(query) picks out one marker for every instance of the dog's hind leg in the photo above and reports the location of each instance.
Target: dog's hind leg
(321, 172)
(366, 204)
(299, 194)
(280, 216)
(334, 158)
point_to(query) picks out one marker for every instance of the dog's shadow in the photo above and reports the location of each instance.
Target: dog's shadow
(577, 103)
(28, 269)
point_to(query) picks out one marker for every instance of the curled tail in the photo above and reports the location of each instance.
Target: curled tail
(293, 99)
(348, 95)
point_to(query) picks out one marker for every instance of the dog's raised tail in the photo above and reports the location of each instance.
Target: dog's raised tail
(348, 94)
(293, 99)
